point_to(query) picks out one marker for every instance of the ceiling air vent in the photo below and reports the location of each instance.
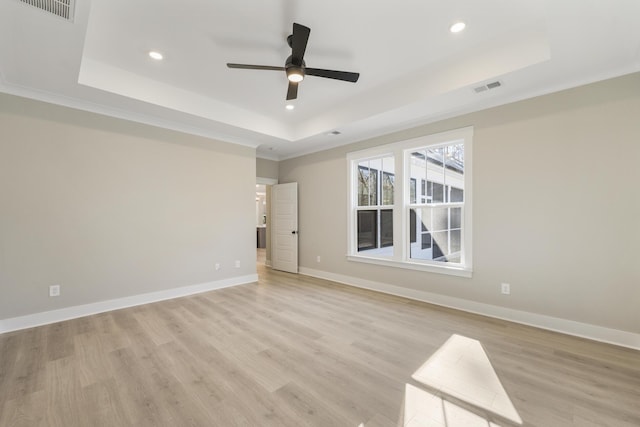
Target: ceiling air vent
(486, 87)
(61, 8)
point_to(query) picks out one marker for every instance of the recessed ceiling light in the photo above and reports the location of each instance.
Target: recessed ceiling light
(457, 27)
(155, 55)
(290, 107)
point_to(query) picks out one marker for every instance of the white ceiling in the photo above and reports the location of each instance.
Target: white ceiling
(412, 69)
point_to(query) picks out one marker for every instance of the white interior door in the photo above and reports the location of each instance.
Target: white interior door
(284, 227)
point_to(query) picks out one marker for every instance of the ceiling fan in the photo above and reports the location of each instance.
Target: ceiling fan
(295, 66)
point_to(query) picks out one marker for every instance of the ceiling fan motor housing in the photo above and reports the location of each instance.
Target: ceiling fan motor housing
(295, 72)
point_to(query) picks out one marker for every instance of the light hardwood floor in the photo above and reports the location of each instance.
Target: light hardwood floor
(292, 350)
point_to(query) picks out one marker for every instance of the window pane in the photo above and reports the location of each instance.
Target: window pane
(367, 230)
(386, 228)
(457, 195)
(434, 156)
(440, 218)
(412, 226)
(438, 237)
(388, 180)
(454, 170)
(412, 190)
(425, 191)
(388, 177)
(454, 157)
(418, 173)
(421, 238)
(440, 245)
(435, 175)
(456, 238)
(438, 193)
(456, 217)
(426, 241)
(367, 184)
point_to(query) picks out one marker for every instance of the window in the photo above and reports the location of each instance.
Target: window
(374, 210)
(410, 203)
(439, 212)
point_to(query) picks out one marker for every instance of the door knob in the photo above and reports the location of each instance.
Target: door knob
(294, 232)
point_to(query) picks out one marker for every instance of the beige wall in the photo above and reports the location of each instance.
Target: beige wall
(556, 207)
(266, 168)
(108, 208)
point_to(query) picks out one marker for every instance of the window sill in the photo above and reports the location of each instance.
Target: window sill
(448, 270)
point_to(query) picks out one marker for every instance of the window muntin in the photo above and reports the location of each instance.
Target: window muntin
(418, 204)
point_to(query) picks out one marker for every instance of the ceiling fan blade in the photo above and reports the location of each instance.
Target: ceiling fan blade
(332, 74)
(255, 67)
(299, 42)
(292, 91)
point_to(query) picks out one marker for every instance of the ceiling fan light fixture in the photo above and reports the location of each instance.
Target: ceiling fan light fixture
(295, 74)
(289, 107)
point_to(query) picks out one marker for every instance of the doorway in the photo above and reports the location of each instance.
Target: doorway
(261, 224)
(263, 221)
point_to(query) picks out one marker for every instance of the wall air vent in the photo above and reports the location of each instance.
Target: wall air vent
(61, 8)
(484, 88)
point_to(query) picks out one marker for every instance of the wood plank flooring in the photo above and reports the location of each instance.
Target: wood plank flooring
(292, 350)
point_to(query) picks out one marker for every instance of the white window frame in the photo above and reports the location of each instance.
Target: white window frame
(401, 151)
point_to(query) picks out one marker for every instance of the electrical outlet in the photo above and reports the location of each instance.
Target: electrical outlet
(505, 289)
(217, 266)
(237, 263)
(54, 290)
(318, 258)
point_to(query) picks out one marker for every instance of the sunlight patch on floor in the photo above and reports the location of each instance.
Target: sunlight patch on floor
(461, 369)
(424, 409)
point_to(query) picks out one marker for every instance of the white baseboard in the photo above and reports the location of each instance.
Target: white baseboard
(570, 327)
(47, 317)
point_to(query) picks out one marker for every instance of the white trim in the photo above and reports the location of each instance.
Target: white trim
(266, 181)
(67, 313)
(408, 265)
(565, 326)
